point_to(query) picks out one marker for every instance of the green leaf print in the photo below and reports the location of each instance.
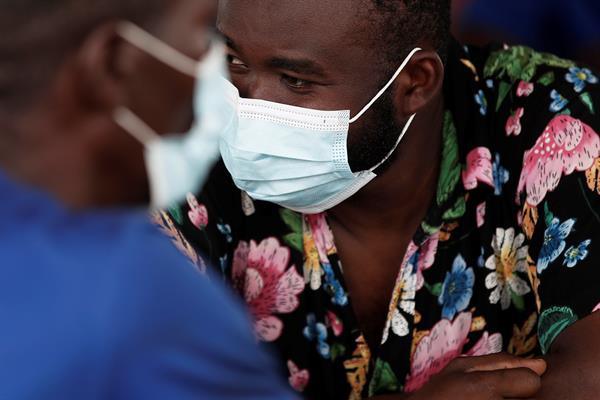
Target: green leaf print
(292, 219)
(435, 290)
(294, 240)
(503, 91)
(552, 323)
(549, 216)
(547, 79)
(177, 214)
(586, 99)
(520, 63)
(518, 301)
(384, 380)
(457, 211)
(450, 168)
(429, 229)
(566, 111)
(337, 350)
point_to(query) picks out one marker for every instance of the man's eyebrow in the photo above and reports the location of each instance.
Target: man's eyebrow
(300, 66)
(228, 41)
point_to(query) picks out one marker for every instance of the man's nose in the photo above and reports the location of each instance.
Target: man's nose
(257, 86)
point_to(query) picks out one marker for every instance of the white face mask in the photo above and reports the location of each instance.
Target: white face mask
(296, 157)
(179, 164)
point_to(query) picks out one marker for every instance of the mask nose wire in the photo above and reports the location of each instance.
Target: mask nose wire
(387, 85)
(158, 49)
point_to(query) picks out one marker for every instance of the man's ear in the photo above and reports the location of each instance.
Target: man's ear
(103, 65)
(420, 82)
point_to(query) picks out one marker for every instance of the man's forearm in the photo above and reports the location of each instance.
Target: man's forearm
(574, 363)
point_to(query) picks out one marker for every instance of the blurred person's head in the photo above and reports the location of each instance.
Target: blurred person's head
(336, 55)
(64, 70)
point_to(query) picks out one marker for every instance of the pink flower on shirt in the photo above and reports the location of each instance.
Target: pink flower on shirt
(479, 168)
(335, 323)
(322, 235)
(513, 124)
(261, 274)
(198, 213)
(426, 257)
(565, 146)
(298, 378)
(444, 343)
(480, 214)
(524, 89)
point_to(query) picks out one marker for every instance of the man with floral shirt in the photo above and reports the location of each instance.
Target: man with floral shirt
(477, 236)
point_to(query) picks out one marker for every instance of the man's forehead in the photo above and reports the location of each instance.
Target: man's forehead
(312, 25)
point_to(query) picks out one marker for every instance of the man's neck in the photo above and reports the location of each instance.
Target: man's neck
(398, 199)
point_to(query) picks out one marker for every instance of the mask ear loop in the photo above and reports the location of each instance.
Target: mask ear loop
(406, 127)
(387, 86)
(137, 128)
(155, 47)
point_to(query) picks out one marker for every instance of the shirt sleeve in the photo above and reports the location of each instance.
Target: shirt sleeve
(181, 336)
(565, 245)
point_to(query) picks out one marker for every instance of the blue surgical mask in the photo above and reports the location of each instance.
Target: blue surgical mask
(296, 157)
(178, 164)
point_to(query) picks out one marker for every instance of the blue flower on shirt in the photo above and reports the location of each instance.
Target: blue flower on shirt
(334, 287)
(576, 254)
(482, 102)
(317, 331)
(559, 102)
(457, 289)
(225, 230)
(554, 242)
(224, 264)
(481, 258)
(500, 174)
(580, 77)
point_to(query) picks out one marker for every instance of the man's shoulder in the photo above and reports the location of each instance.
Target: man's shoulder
(514, 94)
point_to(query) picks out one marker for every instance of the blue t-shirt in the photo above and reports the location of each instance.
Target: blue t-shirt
(98, 305)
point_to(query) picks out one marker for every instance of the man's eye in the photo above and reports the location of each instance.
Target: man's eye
(295, 83)
(235, 62)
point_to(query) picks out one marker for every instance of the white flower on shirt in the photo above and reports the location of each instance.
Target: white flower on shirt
(510, 257)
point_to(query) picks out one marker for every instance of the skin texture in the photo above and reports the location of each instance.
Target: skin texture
(66, 142)
(272, 44)
(498, 376)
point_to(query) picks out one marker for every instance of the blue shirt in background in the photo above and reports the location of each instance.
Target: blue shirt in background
(99, 305)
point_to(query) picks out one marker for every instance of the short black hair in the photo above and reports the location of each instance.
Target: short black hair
(401, 24)
(36, 36)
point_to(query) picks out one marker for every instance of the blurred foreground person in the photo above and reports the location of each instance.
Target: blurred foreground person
(391, 200)
(95, 303)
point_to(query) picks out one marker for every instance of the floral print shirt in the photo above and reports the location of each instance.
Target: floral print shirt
(505, 259)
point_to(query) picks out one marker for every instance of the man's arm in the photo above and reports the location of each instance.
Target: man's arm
(565, 249)
(574, 363)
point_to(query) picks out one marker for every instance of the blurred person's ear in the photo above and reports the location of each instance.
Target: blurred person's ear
(103, 66)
